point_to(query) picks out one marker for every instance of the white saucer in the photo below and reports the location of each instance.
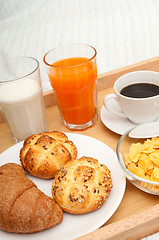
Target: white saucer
(115, 123)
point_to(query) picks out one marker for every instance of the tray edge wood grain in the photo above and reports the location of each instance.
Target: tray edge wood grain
(134, 227)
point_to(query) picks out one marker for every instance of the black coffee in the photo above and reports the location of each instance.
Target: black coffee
(140, 90)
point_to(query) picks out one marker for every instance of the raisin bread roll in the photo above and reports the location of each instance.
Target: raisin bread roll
(82, 185)
(23, 207)
(43, 154)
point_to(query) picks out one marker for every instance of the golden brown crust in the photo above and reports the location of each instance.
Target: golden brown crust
(43, 154)
(82, 185)
(23, 207)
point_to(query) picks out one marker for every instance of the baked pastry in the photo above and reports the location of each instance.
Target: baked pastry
(23, 207)
(82, 185)
(43, 154)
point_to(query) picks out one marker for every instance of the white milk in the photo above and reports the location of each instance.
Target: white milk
(22, 106)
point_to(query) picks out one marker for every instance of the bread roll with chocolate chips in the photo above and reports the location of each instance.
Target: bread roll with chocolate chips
(43, 154)
(82, 185)
(23, 207)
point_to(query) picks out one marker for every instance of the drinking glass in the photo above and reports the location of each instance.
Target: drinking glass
(72, 71)
(21, 99)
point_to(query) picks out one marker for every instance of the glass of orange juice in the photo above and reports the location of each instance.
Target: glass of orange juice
(72, 72)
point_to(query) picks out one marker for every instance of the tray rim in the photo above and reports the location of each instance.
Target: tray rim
(131, 227)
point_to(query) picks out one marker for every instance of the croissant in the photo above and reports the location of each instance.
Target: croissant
(23, 207)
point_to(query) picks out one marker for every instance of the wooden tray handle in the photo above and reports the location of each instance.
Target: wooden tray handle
(134, 227)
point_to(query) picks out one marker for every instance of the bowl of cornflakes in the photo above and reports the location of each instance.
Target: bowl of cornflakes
(139, 159)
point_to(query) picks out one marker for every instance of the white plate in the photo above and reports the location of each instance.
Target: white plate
(74, 226)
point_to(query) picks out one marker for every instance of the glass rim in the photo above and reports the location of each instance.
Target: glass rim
(80, 44)
(124, 167)
(19, 57)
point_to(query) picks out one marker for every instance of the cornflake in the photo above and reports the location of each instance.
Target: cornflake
(143, 159)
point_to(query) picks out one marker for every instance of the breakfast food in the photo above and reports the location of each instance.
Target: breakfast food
(23, 207)
(82, 185)
(143, 159)
(43, 154)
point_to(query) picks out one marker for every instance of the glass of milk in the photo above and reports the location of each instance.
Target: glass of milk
(21, 98)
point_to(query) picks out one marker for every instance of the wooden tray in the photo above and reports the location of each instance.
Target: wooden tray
(138, 214)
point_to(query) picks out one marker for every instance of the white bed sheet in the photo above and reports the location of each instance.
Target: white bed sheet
(123, 31)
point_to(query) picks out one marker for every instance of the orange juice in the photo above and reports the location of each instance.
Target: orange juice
(74, 82)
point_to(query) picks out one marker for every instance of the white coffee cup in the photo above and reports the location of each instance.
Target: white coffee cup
(137, 110)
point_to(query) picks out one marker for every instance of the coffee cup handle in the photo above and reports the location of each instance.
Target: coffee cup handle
(108, 106)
